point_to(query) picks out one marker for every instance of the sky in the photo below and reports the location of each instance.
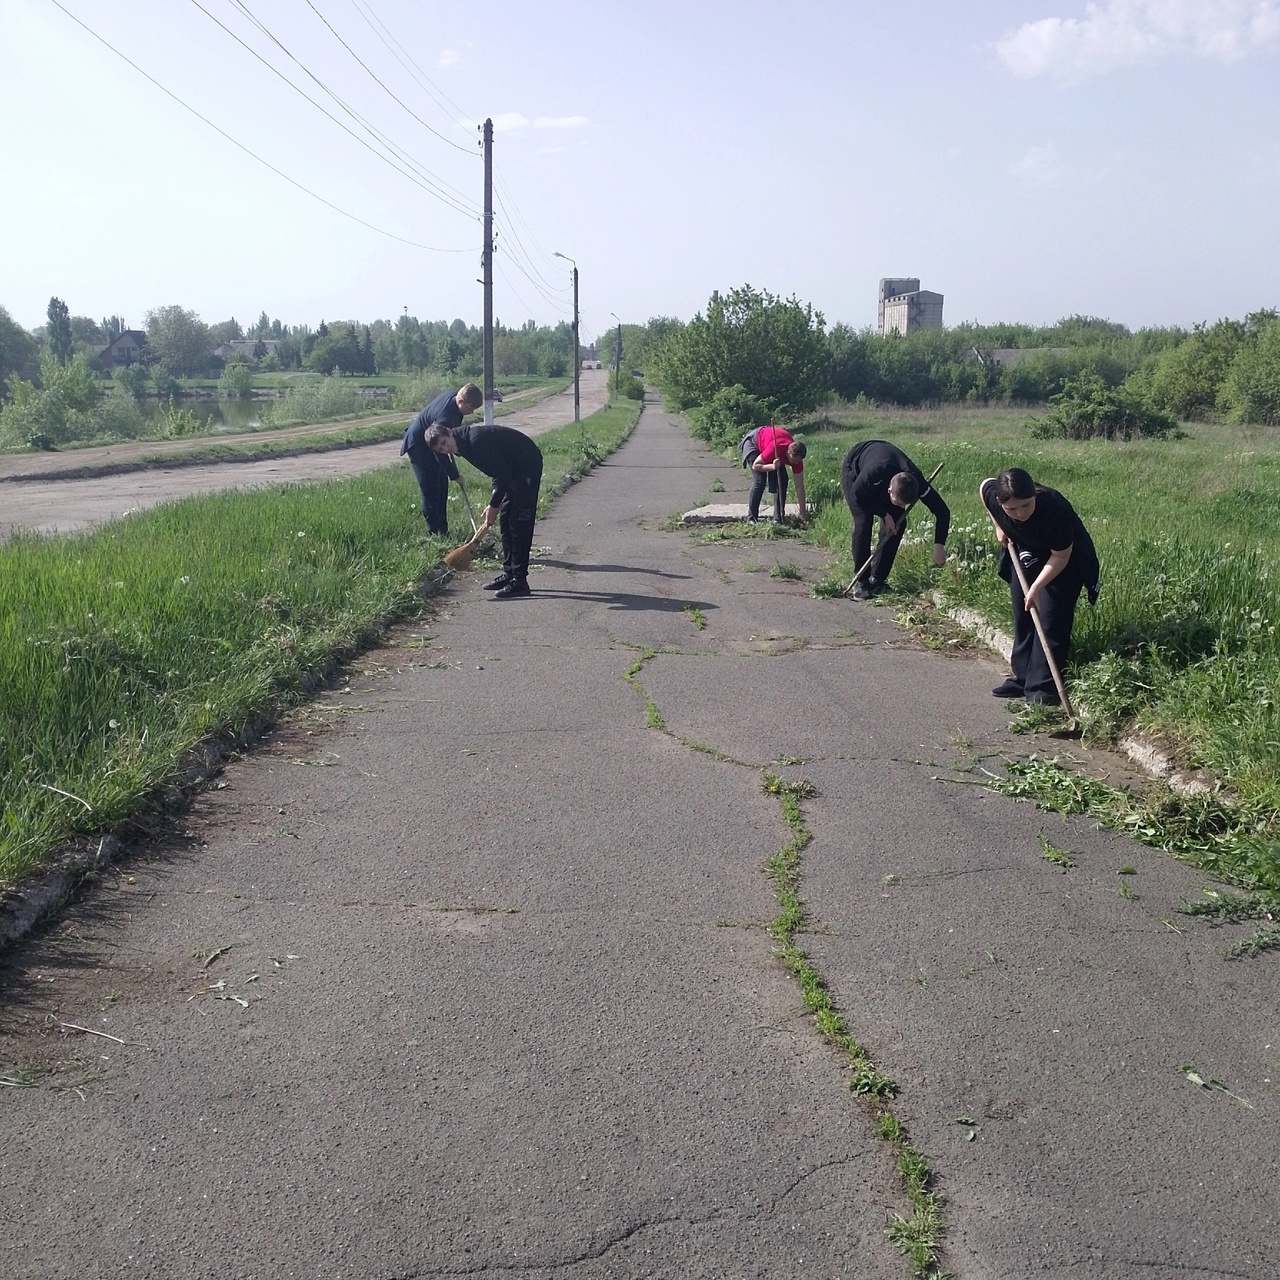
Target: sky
(1028, 159)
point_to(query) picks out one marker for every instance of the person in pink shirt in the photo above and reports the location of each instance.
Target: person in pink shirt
(768, 452)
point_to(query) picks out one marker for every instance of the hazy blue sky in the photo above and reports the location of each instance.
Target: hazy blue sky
(1029, 159)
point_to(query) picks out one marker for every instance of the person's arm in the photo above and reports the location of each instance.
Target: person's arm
(1057, 561)
(799, 475)
(757, 465)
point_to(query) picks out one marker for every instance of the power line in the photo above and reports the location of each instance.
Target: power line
(252, 154)
(424, 178)
(424, 81)
(448, 141)
(515, 235)
(504, 187)
(558, 303)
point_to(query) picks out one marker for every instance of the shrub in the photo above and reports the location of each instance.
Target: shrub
(319, 401)
(728, 416)
(773, 348)
(133, 378)
(236, 382)
(1086, 408)
(417, 394)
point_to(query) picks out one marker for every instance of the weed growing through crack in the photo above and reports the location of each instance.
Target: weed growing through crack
(787, 569)
(696, 616)
(918, 1235)
(652, 716)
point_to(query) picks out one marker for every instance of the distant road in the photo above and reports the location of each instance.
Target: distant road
(53, 504)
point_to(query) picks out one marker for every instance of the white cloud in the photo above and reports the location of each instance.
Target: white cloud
(560, 122)
(448, 58)
(1040, 165)
(514, 122)
(510, 122)
(1118, 33)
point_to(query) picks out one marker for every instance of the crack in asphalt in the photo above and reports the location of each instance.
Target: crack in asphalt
(605, 1246)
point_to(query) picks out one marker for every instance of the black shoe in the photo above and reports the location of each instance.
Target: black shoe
(1010, 689)
(1044, 699)
(500, 581)
(513, 589)
(861, 591)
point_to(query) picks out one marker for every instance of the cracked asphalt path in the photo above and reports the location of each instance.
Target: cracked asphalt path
(499, 997)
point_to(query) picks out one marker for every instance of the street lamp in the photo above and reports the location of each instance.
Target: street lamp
(617, 356)
(577, 361)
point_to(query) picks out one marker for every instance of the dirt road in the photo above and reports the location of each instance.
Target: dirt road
(68, 503)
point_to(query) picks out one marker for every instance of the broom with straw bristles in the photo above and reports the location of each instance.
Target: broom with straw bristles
(460, 558)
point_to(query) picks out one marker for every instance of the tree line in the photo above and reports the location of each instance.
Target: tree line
(752, 357)
(179, 344)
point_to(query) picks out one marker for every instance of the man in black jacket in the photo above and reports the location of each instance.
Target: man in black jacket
(514, 464)
(878, 479)
(433, 471)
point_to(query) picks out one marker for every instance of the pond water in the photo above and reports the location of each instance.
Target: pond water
(217, 415)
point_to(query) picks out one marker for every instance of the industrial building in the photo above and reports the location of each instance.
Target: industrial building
(903, 307)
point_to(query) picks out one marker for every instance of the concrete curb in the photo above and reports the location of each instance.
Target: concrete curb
(1149, 755)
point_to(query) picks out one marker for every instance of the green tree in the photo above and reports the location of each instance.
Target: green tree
(1251, 390)
(774, 349)
(18, 353)
(58, 334)
(178, 341)
(226, 331)
(1187, 378)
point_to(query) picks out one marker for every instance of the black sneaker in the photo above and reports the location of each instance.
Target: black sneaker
(497, 584)
(861, 591)
(1010, 689)
(513, 589)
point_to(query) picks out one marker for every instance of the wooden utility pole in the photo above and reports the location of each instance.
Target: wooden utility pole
(488, 271)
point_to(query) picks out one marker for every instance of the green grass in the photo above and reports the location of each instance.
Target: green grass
(1184, 643)
(123, 648)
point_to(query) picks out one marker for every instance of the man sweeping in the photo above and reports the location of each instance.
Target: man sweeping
(514, 464)
(878, 479)
(433, 471)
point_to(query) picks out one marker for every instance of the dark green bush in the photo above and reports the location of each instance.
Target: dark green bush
(1087, 408)
(728, 416)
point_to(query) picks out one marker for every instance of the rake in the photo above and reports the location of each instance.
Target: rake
(867, 563)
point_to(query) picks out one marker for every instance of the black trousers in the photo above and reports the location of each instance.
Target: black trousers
(777, 482)
(1057, 606)
(886, 549)
(433, 481)
(515, 523)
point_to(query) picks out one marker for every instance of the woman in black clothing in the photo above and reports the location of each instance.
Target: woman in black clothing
(1041, 528)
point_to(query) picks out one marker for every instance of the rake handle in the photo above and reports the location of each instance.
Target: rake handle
(867, 563)
(1034, 610)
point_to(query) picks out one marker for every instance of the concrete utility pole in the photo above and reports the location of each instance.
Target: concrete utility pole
(488, 272)
(617, 356)
(577, 358)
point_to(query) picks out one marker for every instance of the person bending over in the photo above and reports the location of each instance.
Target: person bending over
(878, 479)
(514, 464)
(1040, 527)
(768, 452)
(432, 470)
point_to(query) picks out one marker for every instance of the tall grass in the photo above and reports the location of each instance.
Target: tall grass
(122, 649)
(321, 401)
(1185, 639)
